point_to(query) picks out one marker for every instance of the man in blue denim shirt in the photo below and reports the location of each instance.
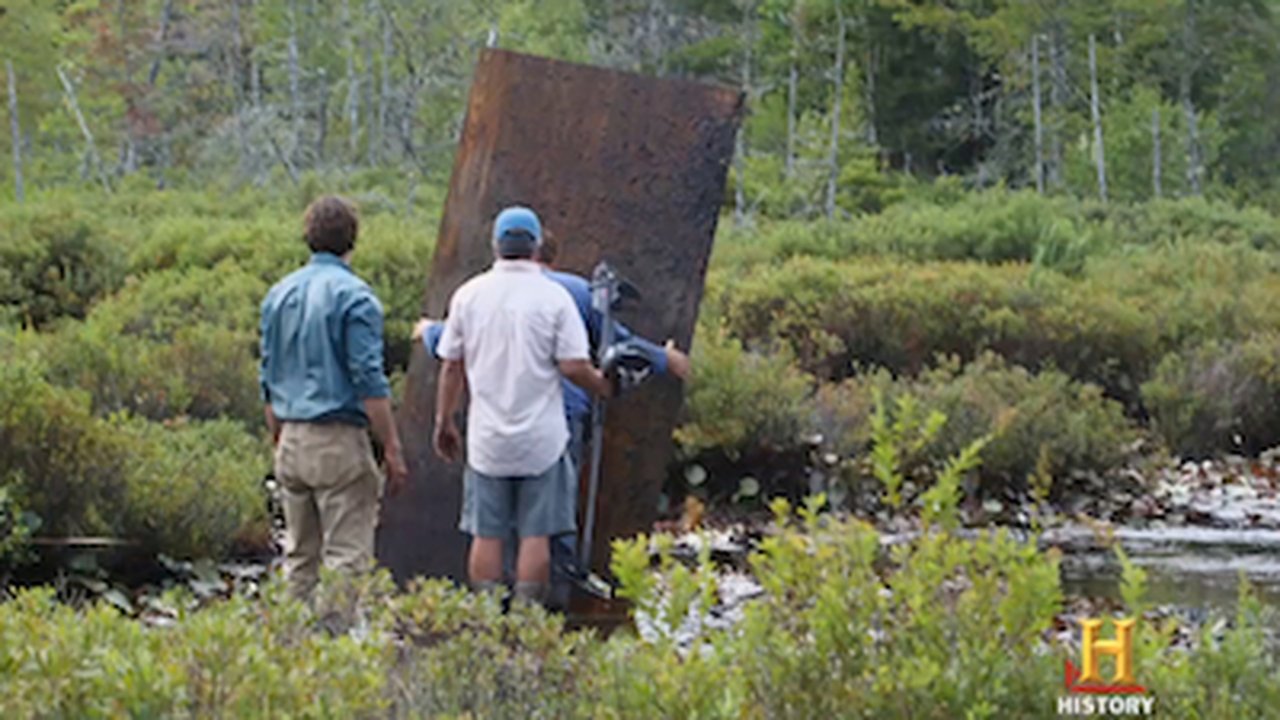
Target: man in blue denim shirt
(323, 385)
(665, 359)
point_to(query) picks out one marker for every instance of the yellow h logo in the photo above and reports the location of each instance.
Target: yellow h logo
(1121, 648)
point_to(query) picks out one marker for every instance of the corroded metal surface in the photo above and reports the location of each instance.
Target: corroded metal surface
(621, 167)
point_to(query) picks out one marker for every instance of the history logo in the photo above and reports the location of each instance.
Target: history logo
(1087, 694)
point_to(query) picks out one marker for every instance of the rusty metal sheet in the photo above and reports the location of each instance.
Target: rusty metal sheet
(621, 167)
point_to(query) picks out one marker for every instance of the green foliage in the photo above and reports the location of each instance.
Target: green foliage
(55, 261)
(899, 442)
(192, 489)
(939, 627)
(1027, 424)
(1218, 395)
(740, 399)
(187, 490)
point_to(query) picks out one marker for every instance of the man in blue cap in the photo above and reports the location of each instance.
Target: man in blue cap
(663, 359)
(511, 335)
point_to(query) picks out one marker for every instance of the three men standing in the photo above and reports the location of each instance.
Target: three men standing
(513, 336)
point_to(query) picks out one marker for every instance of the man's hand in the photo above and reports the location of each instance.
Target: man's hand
(421, 327)
(587, 377)
(446, 440)
(273, 424)
(397, 473)
(677, 361)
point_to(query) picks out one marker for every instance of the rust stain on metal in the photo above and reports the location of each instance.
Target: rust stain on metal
(621, 167)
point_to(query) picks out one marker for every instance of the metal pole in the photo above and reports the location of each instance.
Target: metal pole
(602, 289)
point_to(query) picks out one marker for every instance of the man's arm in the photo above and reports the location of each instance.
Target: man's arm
(666, 359)
(452, 379)
(384, 426)
(585, 375)
(273, 424)
(364, 365)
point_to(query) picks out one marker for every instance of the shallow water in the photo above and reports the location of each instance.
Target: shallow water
(1186, 566)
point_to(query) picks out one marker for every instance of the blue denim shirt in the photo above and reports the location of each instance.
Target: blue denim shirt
(577, 402)
(322, 344)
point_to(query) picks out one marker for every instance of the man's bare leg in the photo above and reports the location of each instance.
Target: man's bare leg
(484, 563)
(533, 568)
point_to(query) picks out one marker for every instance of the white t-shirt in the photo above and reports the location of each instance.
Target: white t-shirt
(510, 326)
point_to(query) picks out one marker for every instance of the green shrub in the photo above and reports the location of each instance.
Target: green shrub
(1218, 396)
(1025, 415)
(55, 261)
(191, 489)
(937, 627)
(175, 343)
(61, 463)
(834, 316)
(740, 400)
(996, 226)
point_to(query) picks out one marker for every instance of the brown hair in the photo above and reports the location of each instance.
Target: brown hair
(330, 225)
(549, 250)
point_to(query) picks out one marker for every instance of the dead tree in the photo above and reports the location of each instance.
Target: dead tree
(1058, 94)
(295, 75)
(1099, 154)
(1039, 122)
(740, 151)
(95, 161)
(837, 88)
(1195, 159)
(353, 85)
(793, 82)
(14, 126)
(1156, 170)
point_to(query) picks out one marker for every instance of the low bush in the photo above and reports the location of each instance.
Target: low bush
(1042, 422)
(997, 226)
(1110, 326)
(56, 261)
(59, 461)
(188, 489)
(835, 316)
(1219, 395)
(192, 489)
(739, 401)
(938, 627)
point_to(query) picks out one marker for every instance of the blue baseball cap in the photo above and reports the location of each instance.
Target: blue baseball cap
(517, 231)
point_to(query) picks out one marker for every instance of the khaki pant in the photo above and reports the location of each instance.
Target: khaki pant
(330, 486)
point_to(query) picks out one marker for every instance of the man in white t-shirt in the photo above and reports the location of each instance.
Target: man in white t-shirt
(511, 333)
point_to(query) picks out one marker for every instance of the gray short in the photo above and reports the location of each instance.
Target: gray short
(534, 506)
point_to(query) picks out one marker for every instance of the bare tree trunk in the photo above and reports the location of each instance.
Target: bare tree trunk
(1036, 103)
(128, 162)
(869, 95)
(1058, 100)
(370, 87)
(15, 127)
(322, 114)
(353, 85)
(793, 81)
(1194, 169)
(1099, 154)
(295, 75)
(384, 97)
(1195, 160)
(91, 148)
(740, 152)
(1156, 170)
(162, 35)
(833, 157)
(237, 79)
